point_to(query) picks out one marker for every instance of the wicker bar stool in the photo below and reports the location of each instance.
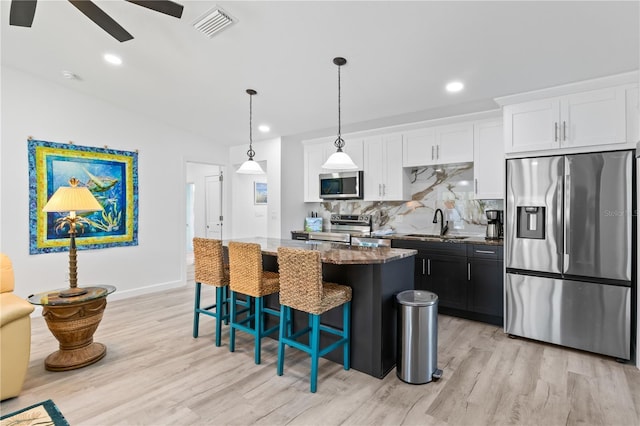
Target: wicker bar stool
(302, 289)
(248, 278)
(210, 270)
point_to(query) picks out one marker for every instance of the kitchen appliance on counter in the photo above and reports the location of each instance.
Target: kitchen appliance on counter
(569, 248)
(341, 186)
(494, 224)
(342, 227)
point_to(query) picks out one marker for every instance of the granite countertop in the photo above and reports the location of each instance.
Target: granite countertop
(333, 253)
(465, 240)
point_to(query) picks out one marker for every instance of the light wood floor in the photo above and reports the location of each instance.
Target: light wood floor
(155, 373)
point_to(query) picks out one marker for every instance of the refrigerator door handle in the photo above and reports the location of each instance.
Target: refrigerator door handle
(567, 213)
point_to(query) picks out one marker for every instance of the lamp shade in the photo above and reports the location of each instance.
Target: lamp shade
(339, 161)
(72, 198)
(250, 167)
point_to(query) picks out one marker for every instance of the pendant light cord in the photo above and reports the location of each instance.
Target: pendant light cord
(251, 152)
(339, 143)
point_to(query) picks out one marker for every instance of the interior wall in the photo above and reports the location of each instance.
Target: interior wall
(51, 112)
(250, 219)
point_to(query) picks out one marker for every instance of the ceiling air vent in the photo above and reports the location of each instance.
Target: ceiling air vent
(213, 22)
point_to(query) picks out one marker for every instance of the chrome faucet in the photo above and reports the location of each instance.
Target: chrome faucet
(443, 227)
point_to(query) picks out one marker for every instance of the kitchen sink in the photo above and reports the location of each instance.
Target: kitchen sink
(444, 237)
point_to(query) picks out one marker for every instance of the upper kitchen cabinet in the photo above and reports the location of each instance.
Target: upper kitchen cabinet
(488, 160)
(384, 177)
(316, 152)
(438, 145)
(588, 115)
(591, 118)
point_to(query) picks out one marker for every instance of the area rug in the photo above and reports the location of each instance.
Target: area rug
(44, 413)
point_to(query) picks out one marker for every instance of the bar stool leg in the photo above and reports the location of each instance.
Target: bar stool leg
(196, 314)
(285, 312)
(219, 314)
(232, 330)
(258, 329)
(315, 349)
(225, 311)
(346, 332)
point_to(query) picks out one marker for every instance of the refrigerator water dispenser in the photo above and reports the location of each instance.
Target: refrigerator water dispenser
(531, 222)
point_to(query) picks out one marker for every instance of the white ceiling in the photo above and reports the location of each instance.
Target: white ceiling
(400, 55)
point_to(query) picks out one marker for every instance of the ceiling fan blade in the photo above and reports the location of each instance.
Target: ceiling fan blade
(22, 12)
(103, 20)
(163, 6)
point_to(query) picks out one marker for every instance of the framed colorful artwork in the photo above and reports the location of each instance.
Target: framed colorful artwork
(259, 193)
(110, 175)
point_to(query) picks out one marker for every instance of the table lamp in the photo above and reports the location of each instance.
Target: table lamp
(72, 199)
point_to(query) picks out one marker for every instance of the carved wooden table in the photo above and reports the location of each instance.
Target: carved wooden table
(73, 320)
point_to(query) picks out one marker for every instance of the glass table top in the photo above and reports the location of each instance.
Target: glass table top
(52, 297)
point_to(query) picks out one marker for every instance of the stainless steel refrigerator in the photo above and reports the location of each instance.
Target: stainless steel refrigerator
(569, 243)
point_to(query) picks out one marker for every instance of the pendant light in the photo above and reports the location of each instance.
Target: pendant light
(250, 167)
(339, 160)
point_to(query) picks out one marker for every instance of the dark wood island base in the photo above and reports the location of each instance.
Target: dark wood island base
(375, 276)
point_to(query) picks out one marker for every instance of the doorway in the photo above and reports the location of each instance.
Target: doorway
(204, 205)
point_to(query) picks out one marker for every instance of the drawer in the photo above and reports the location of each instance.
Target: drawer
(484, 251)
(432, 247)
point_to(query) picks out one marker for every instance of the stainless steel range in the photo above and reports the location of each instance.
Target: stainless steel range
(343, 227)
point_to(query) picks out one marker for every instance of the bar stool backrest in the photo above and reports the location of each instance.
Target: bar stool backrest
(300, 278)
(209, 264)
(245, 266)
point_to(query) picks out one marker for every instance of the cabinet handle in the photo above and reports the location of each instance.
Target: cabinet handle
(486, 251)
(564, 130)
(384, 189)
(428, 266)
(432, 148)
(555, 125)
(423, 267)
(437, 152)
(380, 189)
(468, 271)
(475, 185)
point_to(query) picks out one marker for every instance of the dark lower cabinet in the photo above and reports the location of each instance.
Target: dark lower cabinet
(468, 278)
(447, 277)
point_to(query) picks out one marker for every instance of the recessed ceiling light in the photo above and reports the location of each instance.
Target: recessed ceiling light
(113, 59)
(264, 128)
(455, 86)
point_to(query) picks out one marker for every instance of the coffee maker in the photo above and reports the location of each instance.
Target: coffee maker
(494, 224)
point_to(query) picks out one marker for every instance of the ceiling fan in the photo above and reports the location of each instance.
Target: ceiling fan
(23, 11)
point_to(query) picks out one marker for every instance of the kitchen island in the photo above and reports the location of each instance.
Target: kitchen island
(375, 275)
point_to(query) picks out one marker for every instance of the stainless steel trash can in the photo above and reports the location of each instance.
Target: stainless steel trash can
(417, 351)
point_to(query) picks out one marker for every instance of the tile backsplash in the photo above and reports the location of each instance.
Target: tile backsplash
(449, 188)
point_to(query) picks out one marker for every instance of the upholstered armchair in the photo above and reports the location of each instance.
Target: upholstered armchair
(15, 334)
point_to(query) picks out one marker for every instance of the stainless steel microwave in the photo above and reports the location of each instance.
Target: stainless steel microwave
(341, 186)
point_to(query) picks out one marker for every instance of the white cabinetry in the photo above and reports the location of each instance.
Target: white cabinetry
(596, 117)
(488, 160)
(316, 153)
(438, 145)
(384, 177)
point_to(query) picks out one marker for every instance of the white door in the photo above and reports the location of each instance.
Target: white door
(213, 206)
